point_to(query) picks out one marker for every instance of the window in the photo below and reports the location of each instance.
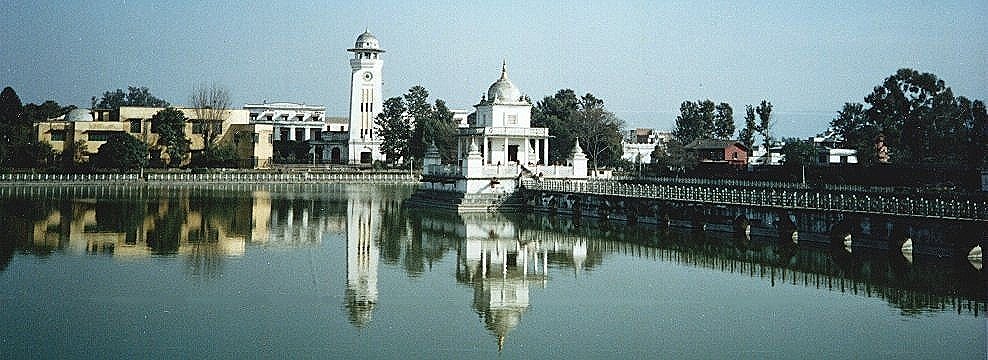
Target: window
(217, 127)
(58, 135)
(135, 125)
(256, 137)
(511, 119)
(253, 116)
(198, 127)
(100, 135)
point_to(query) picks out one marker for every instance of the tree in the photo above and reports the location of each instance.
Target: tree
(420, 112)
(674, 158)
(442, 131)
(723, 121)
(695, 121)
(747, 135)
(599, 131)
(556, 113)
(211, 105)
(11, 112)
(798, 152)
(73, 154)
(222, 156)
(394, 129)
(123, 152)
(170, 126)
(920, 119)
(764, 111)
(19, 146)
(135, 96)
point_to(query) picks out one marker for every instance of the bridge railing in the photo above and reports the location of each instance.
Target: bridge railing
(294, 177)
(899, 204)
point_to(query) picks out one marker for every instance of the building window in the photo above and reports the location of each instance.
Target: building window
(253, 116)
(511, 119)
(257, 138)
(99, 135)
(198, 127)
(217, 127)
(135, 125)
(58, 135)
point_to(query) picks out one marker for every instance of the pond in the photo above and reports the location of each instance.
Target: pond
(345, 271)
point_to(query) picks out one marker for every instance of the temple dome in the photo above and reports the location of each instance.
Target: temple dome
(79, 115)
(367, 41)
(502, 90)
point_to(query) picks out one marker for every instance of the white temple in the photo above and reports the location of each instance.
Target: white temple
(501, 148)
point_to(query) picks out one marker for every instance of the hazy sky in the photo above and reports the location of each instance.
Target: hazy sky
(642, 58)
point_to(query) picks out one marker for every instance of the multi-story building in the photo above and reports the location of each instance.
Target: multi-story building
(251, 142)
(291, 121)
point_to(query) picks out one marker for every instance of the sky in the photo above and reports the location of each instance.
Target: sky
(643, 58)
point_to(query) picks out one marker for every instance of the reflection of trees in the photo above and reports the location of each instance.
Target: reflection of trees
(164, 238)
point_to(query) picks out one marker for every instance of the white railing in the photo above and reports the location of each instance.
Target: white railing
(296, 177)
(923, 205)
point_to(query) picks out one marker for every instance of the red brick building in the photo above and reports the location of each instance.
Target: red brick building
(719, 151)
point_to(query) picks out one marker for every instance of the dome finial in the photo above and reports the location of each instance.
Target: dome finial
(504, 69)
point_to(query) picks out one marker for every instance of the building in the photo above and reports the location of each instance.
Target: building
(639, 144)
(290, 121)
(366, 98)
(831, 152)
(719, 151)
(495, 153)
(251, 142)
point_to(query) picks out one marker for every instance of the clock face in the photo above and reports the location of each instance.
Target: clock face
(368, 76)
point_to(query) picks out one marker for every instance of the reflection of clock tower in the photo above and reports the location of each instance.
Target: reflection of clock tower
(364, 145)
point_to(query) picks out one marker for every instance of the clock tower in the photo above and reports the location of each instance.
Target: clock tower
(364, 145)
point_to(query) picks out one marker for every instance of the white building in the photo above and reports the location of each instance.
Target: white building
(640, 143)
(493, 154)
(291, 121)
(364, 146)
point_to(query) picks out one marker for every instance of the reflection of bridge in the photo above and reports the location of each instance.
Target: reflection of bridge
(931, 284)
(502, 258)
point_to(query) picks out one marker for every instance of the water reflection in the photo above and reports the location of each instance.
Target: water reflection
(504, 263)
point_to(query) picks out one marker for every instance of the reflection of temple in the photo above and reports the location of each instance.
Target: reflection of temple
(362, 254)
(501, 263)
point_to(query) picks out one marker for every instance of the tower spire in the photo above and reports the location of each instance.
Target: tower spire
(504, 69)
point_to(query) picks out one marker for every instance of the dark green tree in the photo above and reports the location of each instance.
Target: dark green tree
(122, 152)
(135, 96)
(799, 152)
(723, 121)
(169, 123)
(421, 114)
(556, 113)
(218, 156)
(395, 129)
(442, 131)
(695, 121)
(764, 111)
(599, 131)
(74, 155)
(920, 119)
(673, 159)
(747, 135)
(11, 113)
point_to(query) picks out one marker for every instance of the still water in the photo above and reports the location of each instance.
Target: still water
(344, 271)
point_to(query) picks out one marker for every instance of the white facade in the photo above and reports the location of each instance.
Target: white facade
(366, 98)
(291, 121)
(502, 146)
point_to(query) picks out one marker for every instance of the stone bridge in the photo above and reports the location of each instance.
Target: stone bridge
(932, 223)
